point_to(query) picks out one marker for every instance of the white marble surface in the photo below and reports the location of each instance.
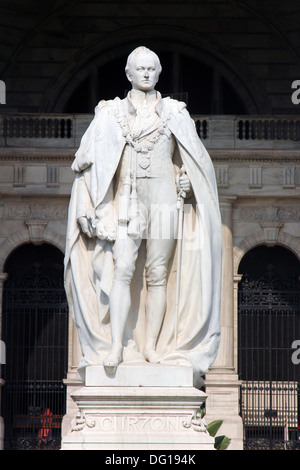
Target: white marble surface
(140, 374)
(132, 289)
(138, 418)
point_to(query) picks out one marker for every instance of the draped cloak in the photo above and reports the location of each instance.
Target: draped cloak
(89, 263)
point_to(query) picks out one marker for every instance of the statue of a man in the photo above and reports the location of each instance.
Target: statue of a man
(138, 158)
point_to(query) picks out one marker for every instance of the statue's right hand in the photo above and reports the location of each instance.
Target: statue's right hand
(84, 225)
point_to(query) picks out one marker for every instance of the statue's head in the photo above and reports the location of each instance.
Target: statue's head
(143, 69)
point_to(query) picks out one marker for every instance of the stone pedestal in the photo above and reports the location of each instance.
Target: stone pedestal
(142, 407)
(223, 403)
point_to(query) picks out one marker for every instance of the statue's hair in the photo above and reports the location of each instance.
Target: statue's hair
(138, 51)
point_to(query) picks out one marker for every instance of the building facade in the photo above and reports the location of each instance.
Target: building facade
(236, 65)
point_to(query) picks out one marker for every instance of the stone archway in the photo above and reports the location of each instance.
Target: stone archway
(268, 325)
(265, 237)
(270, 235)
(26, 236)
(35, 333)
(36, 234)
(172, 39)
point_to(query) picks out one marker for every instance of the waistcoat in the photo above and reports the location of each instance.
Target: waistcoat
(150, 146)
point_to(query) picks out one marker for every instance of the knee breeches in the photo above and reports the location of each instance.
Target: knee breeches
(158, 220)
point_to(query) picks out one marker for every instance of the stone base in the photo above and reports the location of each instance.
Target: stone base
(140, 374)
(150, 417)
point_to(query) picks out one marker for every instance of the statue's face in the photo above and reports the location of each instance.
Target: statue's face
(143, 73)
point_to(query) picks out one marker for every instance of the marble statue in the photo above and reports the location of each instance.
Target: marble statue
(138, 161)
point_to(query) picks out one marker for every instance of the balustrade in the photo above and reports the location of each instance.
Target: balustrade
(232, 132)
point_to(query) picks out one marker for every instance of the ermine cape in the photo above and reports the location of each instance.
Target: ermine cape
(89, 264)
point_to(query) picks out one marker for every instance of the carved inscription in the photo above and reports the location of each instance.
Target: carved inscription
(253, 214)
(20, 210)
(260, 214)
(286, 214)
(139, 423)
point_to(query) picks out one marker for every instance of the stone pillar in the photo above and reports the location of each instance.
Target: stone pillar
(236, 279)
(71, 382)
(3, 278)
(226, 352)
(222, 384)
(74, 350)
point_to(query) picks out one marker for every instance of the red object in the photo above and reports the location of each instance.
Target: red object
(46, 424)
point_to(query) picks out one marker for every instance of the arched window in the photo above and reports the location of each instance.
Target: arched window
(34, 329)
(269, 323)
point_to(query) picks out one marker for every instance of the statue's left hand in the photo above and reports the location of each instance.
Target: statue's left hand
(184, 183)
(106, 230)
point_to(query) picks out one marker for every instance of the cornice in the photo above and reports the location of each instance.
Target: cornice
(250, 156)
(37, 155)
(43, 155)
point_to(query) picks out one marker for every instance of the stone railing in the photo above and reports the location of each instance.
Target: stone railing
(238, 132)
(42, 130)
(229, 132)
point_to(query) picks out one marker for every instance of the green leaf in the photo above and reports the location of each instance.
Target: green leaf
(213, 427)
(222, 442)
